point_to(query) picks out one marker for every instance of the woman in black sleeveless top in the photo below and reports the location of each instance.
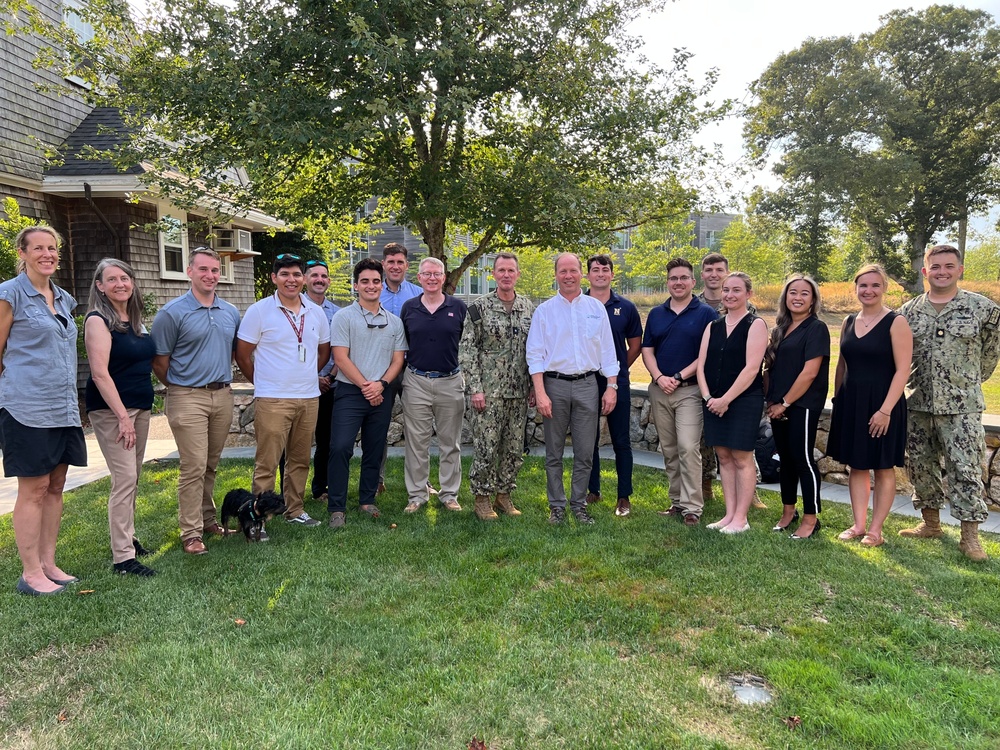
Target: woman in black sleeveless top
(119, 398)
(868, 424)
(729, 375)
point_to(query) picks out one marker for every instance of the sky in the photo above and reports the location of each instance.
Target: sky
(741, 37)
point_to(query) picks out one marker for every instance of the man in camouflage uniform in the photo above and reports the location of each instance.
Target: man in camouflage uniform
(714, 269)
(491, 355)
(955, 349)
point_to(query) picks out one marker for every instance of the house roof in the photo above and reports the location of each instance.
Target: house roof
(103, 129)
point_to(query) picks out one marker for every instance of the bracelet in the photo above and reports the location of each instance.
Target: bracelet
(884, 414)
(657, 378)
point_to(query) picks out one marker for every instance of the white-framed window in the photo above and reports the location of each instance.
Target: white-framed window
(84, 30)
(173, 243)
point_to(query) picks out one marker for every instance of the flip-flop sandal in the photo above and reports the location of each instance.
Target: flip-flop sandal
(371, 510)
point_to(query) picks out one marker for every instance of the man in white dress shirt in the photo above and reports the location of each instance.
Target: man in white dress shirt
(569, 341)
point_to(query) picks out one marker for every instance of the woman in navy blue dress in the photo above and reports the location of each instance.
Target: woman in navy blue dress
(868, 425)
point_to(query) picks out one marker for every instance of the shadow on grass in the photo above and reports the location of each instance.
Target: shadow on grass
(621, 634)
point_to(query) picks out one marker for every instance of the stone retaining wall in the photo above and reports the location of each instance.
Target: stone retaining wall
(643, 434)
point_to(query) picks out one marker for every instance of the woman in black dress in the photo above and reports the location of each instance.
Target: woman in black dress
(876, 346)
(729, 376)
(797, 368)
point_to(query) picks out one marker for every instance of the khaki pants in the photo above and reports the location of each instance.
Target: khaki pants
(284, 424)
(200, 420)
(679, 420)
(428, 402)
(125, 467)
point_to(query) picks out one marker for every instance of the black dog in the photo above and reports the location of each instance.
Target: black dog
(250, 511)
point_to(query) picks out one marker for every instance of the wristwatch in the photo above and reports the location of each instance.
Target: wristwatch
(385, 386)
(785, 404)
(678, 377)
(613, 386)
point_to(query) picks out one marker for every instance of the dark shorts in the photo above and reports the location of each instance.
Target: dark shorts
(36, 451)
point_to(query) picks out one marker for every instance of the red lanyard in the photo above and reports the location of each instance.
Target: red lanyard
(302, 323)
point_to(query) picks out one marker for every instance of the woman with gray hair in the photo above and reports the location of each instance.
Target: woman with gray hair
(40, 432)
(119, 398)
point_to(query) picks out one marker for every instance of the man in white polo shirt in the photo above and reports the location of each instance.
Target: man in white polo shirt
(283, 342)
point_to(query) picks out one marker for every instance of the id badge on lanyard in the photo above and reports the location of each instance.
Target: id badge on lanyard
(298, 333)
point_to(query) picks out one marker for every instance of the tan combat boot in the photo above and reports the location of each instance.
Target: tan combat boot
(969, 546)
(756, 502)
(505, 505)
(483, 509)
(929, 528)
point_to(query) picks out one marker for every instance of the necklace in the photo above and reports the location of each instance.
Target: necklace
(866, 324)
(730, 325)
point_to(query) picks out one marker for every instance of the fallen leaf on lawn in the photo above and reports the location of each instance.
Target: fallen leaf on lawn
(240, 622)
(62, 716)
(84, 591)
(792, 722)
(477, 744)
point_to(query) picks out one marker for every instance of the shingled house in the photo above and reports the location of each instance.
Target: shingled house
(99, 210)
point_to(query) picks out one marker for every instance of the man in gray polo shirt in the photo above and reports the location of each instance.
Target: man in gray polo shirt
(368, 346)
(194, 336)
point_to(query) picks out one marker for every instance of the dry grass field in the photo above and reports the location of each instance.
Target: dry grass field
(838, 301)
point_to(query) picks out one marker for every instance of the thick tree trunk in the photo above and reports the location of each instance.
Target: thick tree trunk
(918, 243)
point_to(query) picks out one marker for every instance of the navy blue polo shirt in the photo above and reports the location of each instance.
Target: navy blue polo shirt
(676, 339)
(433, 337)
(625, 324)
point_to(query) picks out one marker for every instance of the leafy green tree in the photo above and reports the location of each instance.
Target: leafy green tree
(532, 122)
(900, 127)
(537, 273)
(982, 260)
(652, 247)
(753, 245)
(10, 227)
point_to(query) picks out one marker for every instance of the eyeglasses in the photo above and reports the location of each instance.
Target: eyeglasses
(431, 274)
(288, 256)
(313, 263)
(673, 279)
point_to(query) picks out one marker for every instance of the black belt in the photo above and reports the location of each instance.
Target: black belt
(561, 376)
(213, 386)
(433, 373)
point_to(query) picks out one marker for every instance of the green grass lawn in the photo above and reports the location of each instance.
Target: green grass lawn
(618, 635)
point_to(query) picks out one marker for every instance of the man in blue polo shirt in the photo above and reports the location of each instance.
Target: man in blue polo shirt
(670, 353)
(194, 336)
(626, 329)
(433, 387)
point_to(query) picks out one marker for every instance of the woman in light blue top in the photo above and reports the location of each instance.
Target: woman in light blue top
(40, 432)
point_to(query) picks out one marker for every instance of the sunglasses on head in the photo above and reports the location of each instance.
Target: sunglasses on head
(313, 263)
(288, 256)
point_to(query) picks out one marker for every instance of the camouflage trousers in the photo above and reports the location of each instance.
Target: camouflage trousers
(959, 443)
(498, 445)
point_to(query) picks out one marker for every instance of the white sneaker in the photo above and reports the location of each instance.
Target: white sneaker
(304, 519)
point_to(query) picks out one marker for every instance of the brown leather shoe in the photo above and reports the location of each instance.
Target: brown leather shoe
(623, 508)
(691, 519)
(194, 546)
(380, 489)
(593, 497)
(215, 530)
(673, 511)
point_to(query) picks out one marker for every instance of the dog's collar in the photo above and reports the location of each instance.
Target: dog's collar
(252, 508)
